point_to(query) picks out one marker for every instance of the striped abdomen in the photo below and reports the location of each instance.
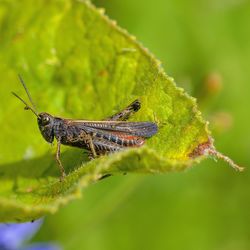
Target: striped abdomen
(121, 139)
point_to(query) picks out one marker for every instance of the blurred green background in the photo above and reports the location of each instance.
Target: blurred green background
(205, 46)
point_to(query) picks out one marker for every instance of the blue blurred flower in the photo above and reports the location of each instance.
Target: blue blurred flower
(14, 235)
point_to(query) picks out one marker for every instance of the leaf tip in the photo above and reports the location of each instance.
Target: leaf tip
(207, 149)
(218, 155)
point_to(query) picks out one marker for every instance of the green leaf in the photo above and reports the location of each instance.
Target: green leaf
(77, 63)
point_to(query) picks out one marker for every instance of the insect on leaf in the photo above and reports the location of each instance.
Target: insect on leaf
(79, 64)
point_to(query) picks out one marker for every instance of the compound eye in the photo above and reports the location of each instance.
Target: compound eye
(45, 120)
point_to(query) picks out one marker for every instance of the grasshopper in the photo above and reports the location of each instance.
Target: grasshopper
(97, 137)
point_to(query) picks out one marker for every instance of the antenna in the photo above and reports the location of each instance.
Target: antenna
(27, 107)
(27, 92)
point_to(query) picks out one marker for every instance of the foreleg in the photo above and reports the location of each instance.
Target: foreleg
(59, 163)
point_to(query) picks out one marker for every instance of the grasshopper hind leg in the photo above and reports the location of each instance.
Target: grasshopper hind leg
(126, 113)
(102, 148)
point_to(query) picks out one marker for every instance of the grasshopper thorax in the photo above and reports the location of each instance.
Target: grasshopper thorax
(46, 124)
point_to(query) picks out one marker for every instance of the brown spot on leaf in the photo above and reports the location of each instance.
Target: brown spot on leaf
(202, 149)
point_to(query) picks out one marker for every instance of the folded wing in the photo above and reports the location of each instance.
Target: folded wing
(119, 134)
(142, 129)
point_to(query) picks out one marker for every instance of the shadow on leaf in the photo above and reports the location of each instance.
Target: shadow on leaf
(45, 166)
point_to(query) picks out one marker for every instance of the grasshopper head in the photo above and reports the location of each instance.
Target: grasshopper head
(46, 123)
